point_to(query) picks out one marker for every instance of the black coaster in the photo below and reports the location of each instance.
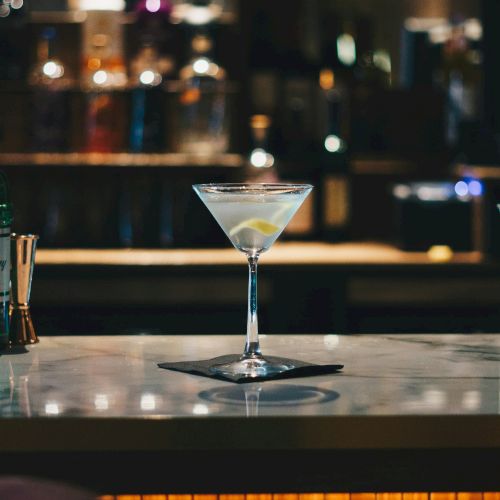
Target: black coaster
(202, 367)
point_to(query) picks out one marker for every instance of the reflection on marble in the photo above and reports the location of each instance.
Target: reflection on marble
(262, 395)
(384, 375)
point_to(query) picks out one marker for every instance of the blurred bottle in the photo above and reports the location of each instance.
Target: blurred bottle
(203, 120)
(104, 78)
(462, 82)
(5, 223)
(334, 191)
(260, 165)
(148, 103)
(50, 106)
(149, 68)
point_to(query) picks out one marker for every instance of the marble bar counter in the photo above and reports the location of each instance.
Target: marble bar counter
(407, 413)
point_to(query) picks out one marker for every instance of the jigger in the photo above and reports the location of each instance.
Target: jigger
(22, 253)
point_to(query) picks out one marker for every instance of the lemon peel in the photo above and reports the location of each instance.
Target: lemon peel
(262, 226)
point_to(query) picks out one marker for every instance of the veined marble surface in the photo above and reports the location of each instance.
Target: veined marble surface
(117, 376)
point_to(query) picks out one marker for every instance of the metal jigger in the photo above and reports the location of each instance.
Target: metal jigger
(22, 253)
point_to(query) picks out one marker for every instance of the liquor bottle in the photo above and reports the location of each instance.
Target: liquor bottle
(148, 103)
(5, 223)
(203, 114)
(104, 79)
(148, 70)
(462, 82)
(261, 164)
(50, 97)
(334, 191)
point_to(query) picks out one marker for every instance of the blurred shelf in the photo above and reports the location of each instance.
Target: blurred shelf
(228, 16)
(369, 166)
(478, 171)
(170, 160)
(422, 165)
(169, 86)
(281, 254)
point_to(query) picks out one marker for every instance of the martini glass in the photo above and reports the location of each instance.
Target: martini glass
(252, 216)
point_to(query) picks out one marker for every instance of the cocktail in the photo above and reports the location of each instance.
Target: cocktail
(252, 216)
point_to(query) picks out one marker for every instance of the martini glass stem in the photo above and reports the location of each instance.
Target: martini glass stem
(252, 348)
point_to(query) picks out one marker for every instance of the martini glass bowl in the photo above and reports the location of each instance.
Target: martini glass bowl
(252, 216)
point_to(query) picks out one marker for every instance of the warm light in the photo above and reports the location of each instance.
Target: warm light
(101, 402)
(433, 192)
(261, 159)
(331, 341)
(53, 70)
(473, 29)
(16, 4)
(148, 402)
(424, 23)
(100, 77)
(439, 34)
(402, 191)
(4, 10)
(471, 400)
(326, 79)
(147, 77)
(94, 63)
(334, 144)
(382, 60)
(435, 398)
(440, 253)
(101, 4)
(346, 49)
(260, 121)
(52, 409)
(153, 5)
(200, 409)
(198, 14)
(201, 65)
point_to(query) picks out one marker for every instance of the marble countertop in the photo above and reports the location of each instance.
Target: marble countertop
(395, 391)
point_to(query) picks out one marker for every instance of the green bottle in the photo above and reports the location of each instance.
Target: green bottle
(5, 223)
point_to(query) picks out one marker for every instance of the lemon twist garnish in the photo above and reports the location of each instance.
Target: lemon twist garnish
(262, 226)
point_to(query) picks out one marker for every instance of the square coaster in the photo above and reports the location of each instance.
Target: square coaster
(202, 367)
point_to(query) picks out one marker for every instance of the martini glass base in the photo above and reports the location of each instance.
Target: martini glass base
(251, 367)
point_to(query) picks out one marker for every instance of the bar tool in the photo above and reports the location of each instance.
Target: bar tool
(23, 247)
